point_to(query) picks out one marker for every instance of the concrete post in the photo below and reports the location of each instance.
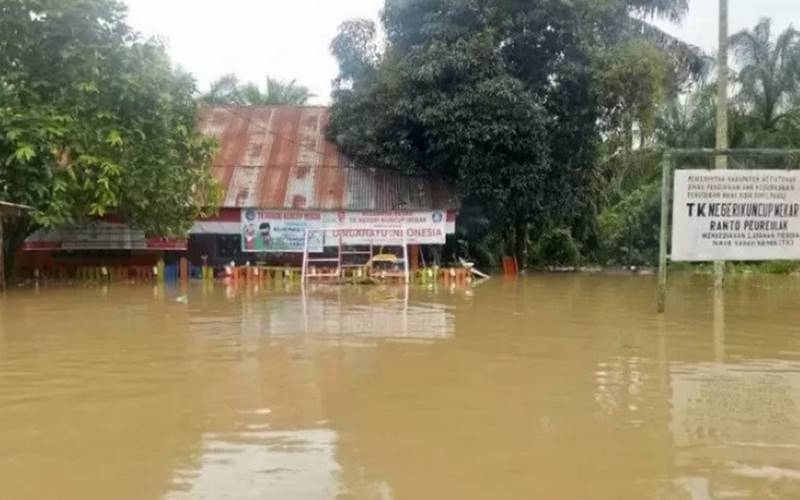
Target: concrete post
(721, 161)
(666, 179)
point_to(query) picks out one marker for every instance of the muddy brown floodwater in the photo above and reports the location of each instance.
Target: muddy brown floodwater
(548, 387)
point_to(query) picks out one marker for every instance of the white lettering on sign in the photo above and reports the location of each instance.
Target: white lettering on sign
(364, 228)
(736, 215)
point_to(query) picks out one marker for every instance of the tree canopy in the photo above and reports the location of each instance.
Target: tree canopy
(95, 120)
(229, 90)
(509, 100)
(764, 112)
(768, 78)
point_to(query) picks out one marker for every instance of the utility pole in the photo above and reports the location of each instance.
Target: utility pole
(721, 161)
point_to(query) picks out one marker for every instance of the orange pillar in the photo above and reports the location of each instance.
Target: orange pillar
(413, 255)
(184, 269)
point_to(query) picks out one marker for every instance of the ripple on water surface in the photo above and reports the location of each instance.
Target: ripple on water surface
(511, 389)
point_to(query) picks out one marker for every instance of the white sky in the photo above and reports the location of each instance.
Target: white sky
(289, 38)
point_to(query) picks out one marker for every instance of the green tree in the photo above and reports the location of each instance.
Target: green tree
(768, 77)
(632, 88)
(94, 120)
(766, 107)
(765, 112)
(498, 96)
(224, 90)
(688, 120)
(228, 90)
(629, 227)
(355, 47)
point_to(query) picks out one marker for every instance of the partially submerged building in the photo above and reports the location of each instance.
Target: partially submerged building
(281, 179)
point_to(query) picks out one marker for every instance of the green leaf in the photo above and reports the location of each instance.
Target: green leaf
(25, 153)
(116, 121)
(114, 138)
(13, 134)
(88, 87)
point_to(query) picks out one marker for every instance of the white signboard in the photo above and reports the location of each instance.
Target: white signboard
(364, 228)
(736, 215)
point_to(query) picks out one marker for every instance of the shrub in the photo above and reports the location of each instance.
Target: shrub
(557, 247)
(629, 230)
(779, 267)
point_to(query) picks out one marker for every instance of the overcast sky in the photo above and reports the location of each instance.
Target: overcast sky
(289, 38)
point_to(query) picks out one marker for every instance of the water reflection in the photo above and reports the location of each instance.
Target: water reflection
(350, 313)
(742, 423)
(719, 324)
(509, 390)
(282, 464)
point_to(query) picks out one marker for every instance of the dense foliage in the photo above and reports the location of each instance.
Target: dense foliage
(94, 120)
(557, 247)
(228, 90)
(511, 101)
(548, 116)
(764, 112)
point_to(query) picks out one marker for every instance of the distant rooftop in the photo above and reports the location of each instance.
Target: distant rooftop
(279, 157)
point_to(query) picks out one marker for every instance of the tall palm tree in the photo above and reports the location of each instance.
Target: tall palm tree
(280, 92)
(228, 90)
(769, 72)
(688, 120)
(224, 90)
(674, 10)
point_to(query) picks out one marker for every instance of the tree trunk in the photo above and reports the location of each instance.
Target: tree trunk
(521, 244)
(628, 135)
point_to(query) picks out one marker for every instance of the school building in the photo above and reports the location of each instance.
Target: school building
(282, 180)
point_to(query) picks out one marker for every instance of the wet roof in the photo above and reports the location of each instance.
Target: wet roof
(279, 157)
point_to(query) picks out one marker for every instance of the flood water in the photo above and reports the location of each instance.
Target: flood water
(547, 387)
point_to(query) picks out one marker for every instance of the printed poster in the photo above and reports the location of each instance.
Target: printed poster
(280, 231)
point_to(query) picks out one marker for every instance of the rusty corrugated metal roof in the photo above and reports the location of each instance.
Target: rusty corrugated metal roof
(279, 157)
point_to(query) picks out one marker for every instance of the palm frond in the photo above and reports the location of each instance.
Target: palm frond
(674, 10)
